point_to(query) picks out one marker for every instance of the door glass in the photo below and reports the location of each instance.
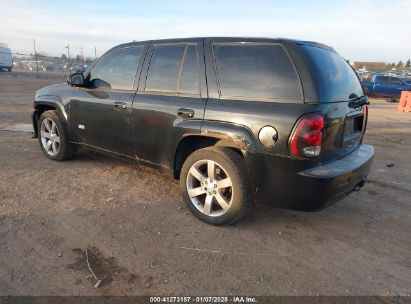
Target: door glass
(189, 78)
(256, 71)
(165, 68)
(117, 70)
(395, 80)
(383, 79)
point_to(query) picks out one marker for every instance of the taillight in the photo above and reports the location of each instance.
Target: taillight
(365, 111)
(307, 136)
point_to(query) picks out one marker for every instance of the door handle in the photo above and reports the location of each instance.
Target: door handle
(120, 105)
(186, 113)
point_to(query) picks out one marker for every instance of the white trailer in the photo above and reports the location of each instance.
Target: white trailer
(6, 58)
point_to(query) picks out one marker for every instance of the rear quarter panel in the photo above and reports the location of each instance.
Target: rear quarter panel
(268, 166)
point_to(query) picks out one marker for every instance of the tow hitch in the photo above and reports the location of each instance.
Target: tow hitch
(360, 184)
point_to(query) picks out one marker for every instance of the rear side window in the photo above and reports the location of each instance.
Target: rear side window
(335, 78)
(173, 69)
(117, 69)
(256, 71)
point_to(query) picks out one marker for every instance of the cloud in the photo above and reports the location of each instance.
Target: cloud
(359, 30)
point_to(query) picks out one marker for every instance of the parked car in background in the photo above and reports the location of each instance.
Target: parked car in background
(6, 58)
(79, 68)
(32, 65)
(49, 66)
(385, 86)
(236, 120)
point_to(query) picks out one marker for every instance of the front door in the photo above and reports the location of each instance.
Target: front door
(100, 113)
(170, 100)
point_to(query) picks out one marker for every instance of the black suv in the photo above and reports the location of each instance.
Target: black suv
(237, 120)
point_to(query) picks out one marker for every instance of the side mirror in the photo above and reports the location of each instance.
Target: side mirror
(76, 80)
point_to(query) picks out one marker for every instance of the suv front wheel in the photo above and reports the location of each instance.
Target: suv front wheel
(53, 137)
(215, 185)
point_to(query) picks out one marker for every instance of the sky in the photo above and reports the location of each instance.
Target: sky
(360, 30)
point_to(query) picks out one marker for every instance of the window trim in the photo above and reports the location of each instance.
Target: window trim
(139, 63)
(250, 98)
(176, 93)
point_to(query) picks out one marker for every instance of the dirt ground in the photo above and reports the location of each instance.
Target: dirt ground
(142, 240)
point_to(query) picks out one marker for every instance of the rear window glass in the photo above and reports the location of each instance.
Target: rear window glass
(174, 68)
(336, 79)
(256, 71)
(165, 68)
(189, 77)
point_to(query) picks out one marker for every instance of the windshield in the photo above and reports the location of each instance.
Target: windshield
(336, 80)
(5, 50)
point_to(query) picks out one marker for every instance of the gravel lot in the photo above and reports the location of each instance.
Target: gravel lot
(142, 240)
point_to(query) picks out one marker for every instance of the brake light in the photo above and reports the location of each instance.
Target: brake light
(365, 111)
(307, 136)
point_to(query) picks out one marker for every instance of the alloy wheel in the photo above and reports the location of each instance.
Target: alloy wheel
(50, 137)
(210, 188)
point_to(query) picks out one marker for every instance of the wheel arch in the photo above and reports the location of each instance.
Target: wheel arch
(222, 134)
(192, 143)
(48, 103)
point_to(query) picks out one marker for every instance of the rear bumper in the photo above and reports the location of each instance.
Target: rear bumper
(331, 182)
(318, 187)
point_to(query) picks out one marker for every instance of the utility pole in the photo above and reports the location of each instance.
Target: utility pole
(95, 52)
(35, 56)
(68, 53)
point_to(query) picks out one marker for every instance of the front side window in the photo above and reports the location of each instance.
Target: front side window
(383, 79)
(256, 71)
(117, 69)
(173, 69)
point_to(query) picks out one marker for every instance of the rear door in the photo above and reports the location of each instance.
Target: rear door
(170, 100)
(100, 113)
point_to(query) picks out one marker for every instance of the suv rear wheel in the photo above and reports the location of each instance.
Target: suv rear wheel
(53, 137)
(215, 185)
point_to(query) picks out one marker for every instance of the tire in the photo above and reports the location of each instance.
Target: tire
(204, 190)
(9, 69)
(53, 137)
